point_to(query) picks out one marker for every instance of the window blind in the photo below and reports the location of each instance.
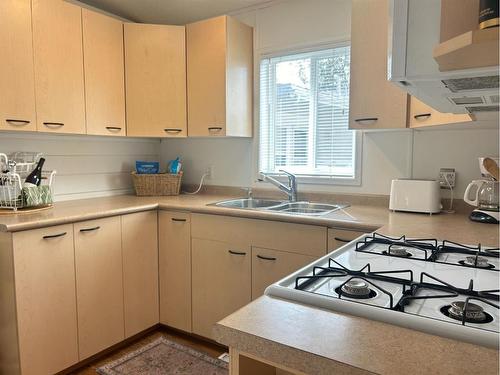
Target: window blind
(304, 113)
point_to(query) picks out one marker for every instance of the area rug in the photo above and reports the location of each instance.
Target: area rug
(164, 357)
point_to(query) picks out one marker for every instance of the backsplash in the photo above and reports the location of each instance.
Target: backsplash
(385, 156)
(87, 166)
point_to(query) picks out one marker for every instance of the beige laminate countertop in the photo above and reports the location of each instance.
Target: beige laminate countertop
(454, 227)
(306, 338)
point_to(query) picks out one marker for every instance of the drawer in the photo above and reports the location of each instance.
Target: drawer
(291, 237)
(339, 237)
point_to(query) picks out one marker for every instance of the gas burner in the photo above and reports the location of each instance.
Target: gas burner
(397, 251)
(474, 313)
(476, 261)
(356, 288)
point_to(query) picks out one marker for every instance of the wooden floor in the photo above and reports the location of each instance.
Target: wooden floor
(197, 344)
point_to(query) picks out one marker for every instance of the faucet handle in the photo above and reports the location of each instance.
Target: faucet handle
(249, 192)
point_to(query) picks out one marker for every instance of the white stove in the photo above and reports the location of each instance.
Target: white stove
(438, 287)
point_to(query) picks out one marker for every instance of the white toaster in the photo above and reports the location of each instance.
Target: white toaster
(415, 196)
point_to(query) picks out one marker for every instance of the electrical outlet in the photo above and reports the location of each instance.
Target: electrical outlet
(447, 178)
(209, 172)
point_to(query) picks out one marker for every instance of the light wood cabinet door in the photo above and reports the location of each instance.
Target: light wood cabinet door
(221, 275)
(58, 57)
(206, 77)
(140, 271)
(219, 77)
(155, 78)
(17, 102)
(269, 266)
(339, 237)
(99, 284)
(46, 301)
(421, 115)
(375, 103)
(104, 74)
(175, 269)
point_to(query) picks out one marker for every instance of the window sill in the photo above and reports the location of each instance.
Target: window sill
(320, 180)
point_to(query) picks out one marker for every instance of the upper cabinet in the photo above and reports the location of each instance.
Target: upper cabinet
(219, 77)
(375, 102)
(104, 74)
(58, 57)
(422, 115)
(17, 106)
(155, 76)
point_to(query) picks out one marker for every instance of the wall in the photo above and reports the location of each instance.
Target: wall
(295, 24)
(87, 166)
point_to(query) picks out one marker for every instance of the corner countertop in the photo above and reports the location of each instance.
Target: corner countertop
(454, 227)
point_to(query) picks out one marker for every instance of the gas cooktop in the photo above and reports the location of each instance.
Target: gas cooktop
(439, 287)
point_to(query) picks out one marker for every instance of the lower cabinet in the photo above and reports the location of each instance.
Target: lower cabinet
(44, 268)
(269, 266)
(140, 271)
(175, 269)
(221, 277)
(99, 284)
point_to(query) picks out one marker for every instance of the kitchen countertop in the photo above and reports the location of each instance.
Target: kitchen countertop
(454, 227)
(309, 339)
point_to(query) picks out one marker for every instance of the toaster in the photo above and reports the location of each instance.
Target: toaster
(415, 196)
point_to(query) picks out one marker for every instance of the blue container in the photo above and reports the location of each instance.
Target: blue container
(147, 167)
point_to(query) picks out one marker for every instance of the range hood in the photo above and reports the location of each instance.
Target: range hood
(414, 34)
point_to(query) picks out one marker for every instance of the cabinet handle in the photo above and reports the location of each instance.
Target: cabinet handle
(15, 122)
(48, 237)
(90, 229)
(111, 128)
(371, 119)
(53, 124)
(341, 239)
(214, 128)
(181, 220)
(236, 252)
(426, 115)
(172, 130)
(266, 258)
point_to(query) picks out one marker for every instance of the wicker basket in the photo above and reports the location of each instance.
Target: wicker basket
(157, 184)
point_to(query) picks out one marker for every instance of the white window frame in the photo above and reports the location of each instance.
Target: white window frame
(358, 135)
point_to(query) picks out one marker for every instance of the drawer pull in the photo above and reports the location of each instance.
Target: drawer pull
(366, 119)
(89, 229)
(236, 252)
(172, 130)
(341, 239)
(113, 128)
(15, 122)
(53, 124)
(426, 115)
(266, 258)
(48, 237)
(215, 128)
(180, 220)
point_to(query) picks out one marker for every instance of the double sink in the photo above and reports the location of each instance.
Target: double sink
(284, 207)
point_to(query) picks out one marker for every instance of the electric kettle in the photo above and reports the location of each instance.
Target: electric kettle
(485, 197)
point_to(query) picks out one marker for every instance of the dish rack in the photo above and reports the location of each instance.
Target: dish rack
(14, 168)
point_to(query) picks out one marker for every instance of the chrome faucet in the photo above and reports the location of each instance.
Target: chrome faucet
(290, 190)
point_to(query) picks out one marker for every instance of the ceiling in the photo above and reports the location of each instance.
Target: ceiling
(173, 12)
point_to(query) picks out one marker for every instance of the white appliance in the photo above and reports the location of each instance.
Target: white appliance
(414, 32)
(415, 196)
(438, 287)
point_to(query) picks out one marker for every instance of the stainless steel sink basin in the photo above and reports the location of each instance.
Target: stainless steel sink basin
(306, 208)
(292, 208)
(249, 203)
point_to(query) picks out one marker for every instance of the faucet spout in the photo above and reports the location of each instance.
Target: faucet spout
(290, 190)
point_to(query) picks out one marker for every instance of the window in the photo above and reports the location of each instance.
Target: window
(304, 113)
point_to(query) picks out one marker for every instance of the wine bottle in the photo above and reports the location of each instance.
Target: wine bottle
(35, 177)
